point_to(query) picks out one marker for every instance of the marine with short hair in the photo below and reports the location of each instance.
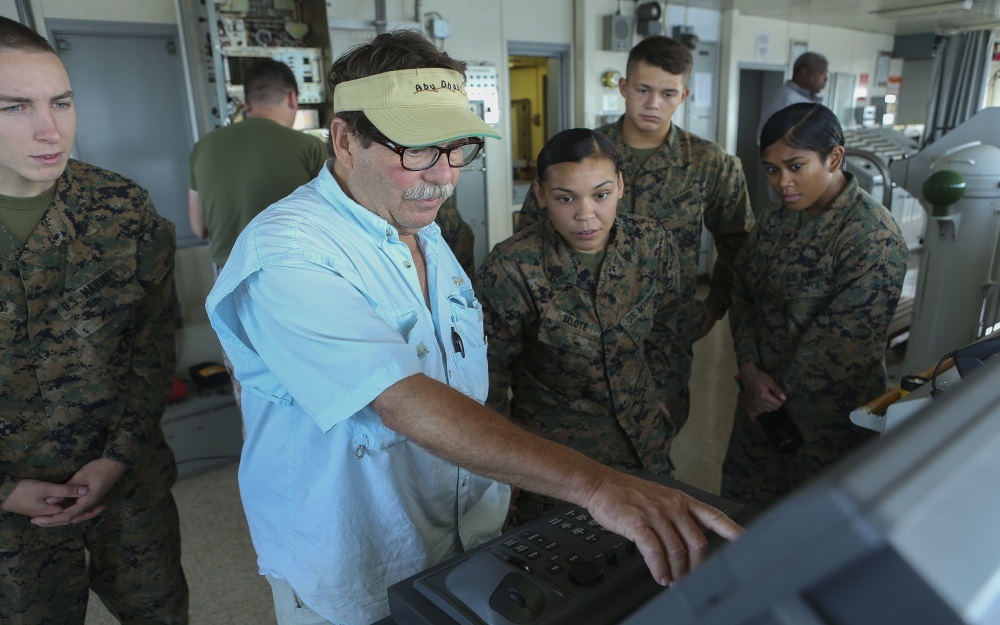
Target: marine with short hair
(569, 305)
(817, 286)
(683, 182)
(87, 359)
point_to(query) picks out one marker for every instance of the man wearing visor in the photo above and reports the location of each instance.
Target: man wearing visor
(359, 344)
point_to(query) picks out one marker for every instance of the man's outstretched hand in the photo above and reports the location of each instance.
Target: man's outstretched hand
(664, 523)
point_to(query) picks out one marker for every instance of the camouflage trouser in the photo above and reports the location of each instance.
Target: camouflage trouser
(679, 404)
(134, 568)
(755, 474)
(526, 506)
(676, 390)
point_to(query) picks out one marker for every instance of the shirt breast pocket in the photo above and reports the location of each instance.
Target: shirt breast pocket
(11, 321)
(104, 307)
(806, 294)
(679, 211)
(581, 340)
(468, 343)
(638, 323)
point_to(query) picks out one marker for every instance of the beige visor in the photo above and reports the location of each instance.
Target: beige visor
(414, 107)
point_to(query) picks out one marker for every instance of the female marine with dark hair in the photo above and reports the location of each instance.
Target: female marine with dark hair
(571, 304)
(816, 287)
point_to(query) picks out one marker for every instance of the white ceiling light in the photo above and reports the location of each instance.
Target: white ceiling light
(924, 9)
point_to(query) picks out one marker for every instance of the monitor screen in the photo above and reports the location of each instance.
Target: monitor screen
(902, 531)
(972, 356)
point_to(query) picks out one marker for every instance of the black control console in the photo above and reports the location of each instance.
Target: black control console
(564, 568)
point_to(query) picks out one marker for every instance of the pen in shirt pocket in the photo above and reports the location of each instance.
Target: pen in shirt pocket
(456, 342)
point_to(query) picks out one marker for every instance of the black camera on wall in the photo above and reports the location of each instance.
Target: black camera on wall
(685, 34)
(647, 17)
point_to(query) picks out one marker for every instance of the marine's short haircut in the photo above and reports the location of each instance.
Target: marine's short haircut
(668, 54)
(16, 36)
(267, 82)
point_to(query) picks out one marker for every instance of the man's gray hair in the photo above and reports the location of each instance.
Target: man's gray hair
(809, 61)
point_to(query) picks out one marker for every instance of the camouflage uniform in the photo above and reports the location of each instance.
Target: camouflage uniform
(458, 235)
(811, 307)
(86, 308)
(575, 349)
(686, 182)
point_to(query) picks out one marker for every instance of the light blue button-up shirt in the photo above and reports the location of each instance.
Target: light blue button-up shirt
(319, 308)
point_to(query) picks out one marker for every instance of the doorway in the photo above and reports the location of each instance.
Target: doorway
(700, 110)
(540, 105)
(840, 97)
(132, 107)
(756, 86)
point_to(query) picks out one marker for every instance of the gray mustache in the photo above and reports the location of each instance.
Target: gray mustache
(429, 192)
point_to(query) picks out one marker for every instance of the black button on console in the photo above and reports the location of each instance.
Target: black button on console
(586, 573)
(518, 562)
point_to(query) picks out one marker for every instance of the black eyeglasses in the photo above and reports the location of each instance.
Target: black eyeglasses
(419, 159)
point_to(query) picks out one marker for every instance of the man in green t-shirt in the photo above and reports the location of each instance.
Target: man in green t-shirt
(239, 170)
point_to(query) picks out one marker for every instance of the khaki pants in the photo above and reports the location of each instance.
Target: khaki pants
(288, 608)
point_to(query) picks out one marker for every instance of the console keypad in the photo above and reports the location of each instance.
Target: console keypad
(570, 538)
